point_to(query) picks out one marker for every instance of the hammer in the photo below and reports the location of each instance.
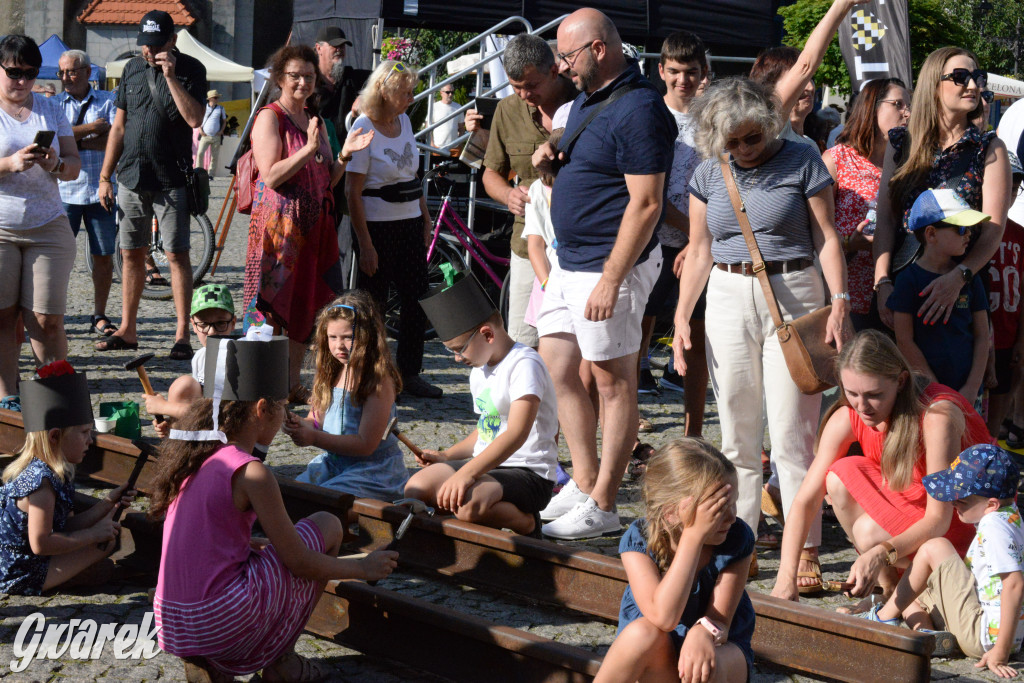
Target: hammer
(415, 505)
(137, 364)
(393, 429)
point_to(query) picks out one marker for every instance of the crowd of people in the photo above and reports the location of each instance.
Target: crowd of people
(710, 200)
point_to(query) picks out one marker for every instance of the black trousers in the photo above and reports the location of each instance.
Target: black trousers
(402, 262)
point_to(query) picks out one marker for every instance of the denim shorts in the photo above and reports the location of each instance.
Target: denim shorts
(100, 225)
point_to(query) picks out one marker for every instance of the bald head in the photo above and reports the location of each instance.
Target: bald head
(592, 49)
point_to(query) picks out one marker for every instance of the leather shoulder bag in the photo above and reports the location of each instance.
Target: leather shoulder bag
(810, 360)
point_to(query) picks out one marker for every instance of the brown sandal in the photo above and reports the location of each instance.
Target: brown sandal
(814, 574)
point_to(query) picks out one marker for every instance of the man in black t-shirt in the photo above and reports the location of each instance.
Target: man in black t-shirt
(339, 86)
(159, 102)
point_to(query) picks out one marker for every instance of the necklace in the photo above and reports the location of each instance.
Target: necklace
(749, 181)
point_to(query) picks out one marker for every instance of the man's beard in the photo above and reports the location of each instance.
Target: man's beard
(587, 77)
(337, 71)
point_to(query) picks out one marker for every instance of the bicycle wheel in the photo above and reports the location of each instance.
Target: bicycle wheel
(200, 253)
(443, 253)
(87, 255)
(503, 298)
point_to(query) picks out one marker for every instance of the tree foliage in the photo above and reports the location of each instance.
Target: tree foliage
(930, 25)
(994, 29)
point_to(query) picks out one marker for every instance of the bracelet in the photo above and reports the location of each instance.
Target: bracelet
(344, 160)
(544, 285)
(104, 180)
(883, 281)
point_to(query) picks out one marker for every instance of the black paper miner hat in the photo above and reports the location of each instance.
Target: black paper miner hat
(56, 402)
(240, 370)
(457, 309)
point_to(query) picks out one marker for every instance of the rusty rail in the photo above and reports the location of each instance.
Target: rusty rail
(793, 635)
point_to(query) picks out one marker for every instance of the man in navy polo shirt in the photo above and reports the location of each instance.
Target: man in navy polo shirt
(607, 200)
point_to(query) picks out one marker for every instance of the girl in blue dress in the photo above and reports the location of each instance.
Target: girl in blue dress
(685, 612)
(42, 542)
(353, 400)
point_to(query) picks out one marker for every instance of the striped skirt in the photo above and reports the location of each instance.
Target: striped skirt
(253, 621)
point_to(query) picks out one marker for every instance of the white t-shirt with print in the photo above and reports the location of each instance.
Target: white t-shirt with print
(199, 365)
(494, 388)
(538, 218)
(684, 160)
(998, 548)
(385, 162)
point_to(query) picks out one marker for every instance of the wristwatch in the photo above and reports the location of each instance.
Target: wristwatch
(965, 272)
(841, 295)
(59, 168)
(717, 634)
(890, 553)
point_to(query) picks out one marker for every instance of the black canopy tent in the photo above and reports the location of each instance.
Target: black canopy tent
(734, 27)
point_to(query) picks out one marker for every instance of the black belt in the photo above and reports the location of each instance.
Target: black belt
(408, 191)
(770, 267)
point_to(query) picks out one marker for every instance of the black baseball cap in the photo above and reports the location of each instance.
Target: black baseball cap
(333, 36)
(155, 29)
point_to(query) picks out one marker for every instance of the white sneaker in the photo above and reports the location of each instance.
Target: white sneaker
(562, 502)
(586, 520)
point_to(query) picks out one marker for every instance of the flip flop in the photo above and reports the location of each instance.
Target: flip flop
(116, 343)
(638, 459)
(814, 574)
(105, 329)
(180, 351)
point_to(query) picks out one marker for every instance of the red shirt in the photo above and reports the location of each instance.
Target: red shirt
(1004, 296)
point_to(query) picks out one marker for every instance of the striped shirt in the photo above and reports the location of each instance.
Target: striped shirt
(156, 137)
(85, 188)
(775, 194)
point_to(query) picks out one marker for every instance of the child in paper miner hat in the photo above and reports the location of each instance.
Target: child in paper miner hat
(58, 431)
(211, 491)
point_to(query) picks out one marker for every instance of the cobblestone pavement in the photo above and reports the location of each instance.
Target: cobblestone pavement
(427, 423)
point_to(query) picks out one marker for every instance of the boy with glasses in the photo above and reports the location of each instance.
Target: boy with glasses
(213, 314)
(502, 474)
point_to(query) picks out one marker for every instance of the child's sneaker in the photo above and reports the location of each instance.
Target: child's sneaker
(11, 403)
(586, 520)
(872, 615)
(566, 499)
(945, 642)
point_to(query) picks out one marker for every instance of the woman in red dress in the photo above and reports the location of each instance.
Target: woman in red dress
(906, 428)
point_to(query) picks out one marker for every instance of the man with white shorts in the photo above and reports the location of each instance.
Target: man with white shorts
(607, 200)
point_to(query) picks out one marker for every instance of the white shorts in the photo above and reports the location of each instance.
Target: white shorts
(565, 299)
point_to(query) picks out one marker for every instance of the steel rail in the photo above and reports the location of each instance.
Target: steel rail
(793, 635)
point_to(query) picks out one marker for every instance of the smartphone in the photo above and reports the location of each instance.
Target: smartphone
(486, 106)
(44, 138)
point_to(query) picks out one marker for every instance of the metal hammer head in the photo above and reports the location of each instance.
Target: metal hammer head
(415, 506)
(138, 361)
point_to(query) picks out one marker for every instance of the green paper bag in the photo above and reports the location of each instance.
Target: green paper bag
(127, 415)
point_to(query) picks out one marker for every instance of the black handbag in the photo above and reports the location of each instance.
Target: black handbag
(197, 180)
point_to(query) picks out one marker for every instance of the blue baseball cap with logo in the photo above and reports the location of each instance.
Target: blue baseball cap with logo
(942, 206)
(982, 470)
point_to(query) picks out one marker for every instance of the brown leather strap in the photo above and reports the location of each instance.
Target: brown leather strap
(748, 235)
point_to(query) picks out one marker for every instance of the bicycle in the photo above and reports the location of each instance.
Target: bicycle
(201, 240)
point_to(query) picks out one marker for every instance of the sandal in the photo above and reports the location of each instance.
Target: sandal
(303, 670)
(106, 329)
(180, 351)
(155, 279)
(814, 574)
(638, 459)
(645, 425)
(772, 506)
(116, 343)
(1014, 437)
(766, 539)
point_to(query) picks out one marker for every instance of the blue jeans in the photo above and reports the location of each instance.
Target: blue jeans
(100, 225)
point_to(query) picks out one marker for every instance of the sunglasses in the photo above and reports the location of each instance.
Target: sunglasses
(397, 68)
(988, 96)
(748, 141)
(16, 74)
(61, 73)
(960, 229)
(962, 77)
(447, 92)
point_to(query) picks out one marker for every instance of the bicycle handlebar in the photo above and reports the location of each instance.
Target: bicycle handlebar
(442, 169)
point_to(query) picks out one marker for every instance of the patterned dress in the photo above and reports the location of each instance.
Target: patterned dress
(292, 266)
(22, 572)
(857, 190)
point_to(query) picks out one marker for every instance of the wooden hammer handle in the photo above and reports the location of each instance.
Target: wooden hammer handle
(416, 450)
(144, 377)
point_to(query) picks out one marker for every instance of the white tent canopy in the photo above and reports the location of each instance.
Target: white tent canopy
(218, 68)
(1001, 85)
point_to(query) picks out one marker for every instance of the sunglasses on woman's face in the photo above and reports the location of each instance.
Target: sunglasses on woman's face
(16, 73)
(988, 96)
(748, 141)
(962, 77)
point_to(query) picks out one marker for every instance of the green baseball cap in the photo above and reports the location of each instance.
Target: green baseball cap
(212, 296)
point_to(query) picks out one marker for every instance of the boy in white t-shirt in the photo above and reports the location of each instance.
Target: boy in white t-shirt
(978, 599)
(502, 474)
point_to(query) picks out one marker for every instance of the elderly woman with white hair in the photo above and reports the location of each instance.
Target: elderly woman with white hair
(785, 191)
(389, 212)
